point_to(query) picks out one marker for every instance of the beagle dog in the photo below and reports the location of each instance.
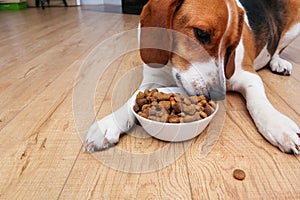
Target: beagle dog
(210, 47)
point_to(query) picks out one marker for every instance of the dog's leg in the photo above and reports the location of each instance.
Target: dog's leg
(106, 132)
(278, 64)
(278, 129)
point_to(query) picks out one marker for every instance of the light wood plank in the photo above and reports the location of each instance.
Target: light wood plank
(15, 80)
(29, 125)
(44, 145)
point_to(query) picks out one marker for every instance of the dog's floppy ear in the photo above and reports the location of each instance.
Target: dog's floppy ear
(229, 60)
(156, 42)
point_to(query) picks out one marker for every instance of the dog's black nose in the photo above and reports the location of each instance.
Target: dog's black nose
(217, 94)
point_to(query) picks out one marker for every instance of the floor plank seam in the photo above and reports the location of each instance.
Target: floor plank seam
(70, 172)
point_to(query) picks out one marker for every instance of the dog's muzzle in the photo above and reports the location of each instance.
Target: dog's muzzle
(195, 84)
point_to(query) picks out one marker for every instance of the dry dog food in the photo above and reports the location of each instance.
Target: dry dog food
(172, 108)
(239, 174)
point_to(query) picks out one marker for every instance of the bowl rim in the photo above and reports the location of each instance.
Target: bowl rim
(168, 123)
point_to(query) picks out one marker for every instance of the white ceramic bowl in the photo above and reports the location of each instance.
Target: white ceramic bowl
(173, 132)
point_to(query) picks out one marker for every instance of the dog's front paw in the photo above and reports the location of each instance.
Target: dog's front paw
(102, 135)
(280, 131)
(281, 66)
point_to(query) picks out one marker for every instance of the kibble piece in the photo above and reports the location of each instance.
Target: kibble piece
(145, 107)
(147, 92)
(194, 99)
(154, 91)
(154, 118)
(201, 97)
(143, 114)
(164, 117)
(162, 96)
(177, 98)
(136, 108)
(203, 114)
(188, 118)
(187, 101)
(152, 98)
(239, 174)
(177, 107)
(153, 111)
(197, 116)
(203, 102)
(209, 109)
(172, 101)
(174, 119)
(190, 110)
(165, 104)
(212, 103)
(182, 114)
(141, 102)
(140, 95)
(154, 103)
(200, 107)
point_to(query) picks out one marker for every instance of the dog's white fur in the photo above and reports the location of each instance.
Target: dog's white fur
(278, 129)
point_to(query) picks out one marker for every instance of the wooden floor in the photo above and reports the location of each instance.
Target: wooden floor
(40, 130)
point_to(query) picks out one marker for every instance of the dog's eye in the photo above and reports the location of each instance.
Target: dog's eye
(202, 36)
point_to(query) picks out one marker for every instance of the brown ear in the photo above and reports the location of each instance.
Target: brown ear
(156, 42)
(230, 65)
(229, 60)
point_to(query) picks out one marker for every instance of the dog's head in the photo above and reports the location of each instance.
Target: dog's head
(198, 37)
